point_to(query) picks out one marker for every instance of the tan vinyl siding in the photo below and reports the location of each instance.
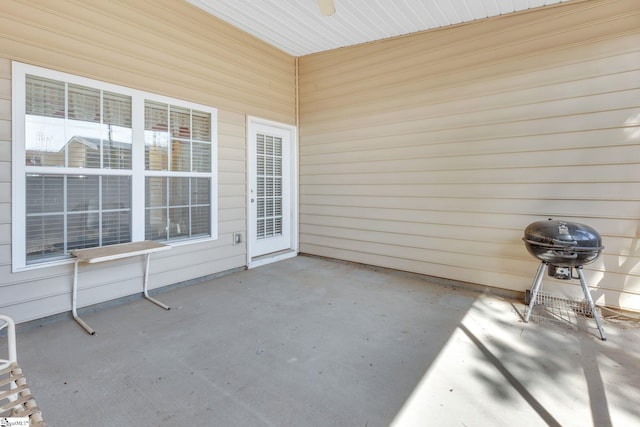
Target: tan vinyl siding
(431, 153)
(164, 47)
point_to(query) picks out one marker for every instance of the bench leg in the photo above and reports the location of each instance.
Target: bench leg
(146, 281)
(74, 302)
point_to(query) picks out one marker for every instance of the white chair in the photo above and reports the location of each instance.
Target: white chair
(15, 396)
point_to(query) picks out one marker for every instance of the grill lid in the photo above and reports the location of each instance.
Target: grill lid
(563, 243)
(563, 234)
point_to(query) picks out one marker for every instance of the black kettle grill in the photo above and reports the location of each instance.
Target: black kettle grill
(562, 247)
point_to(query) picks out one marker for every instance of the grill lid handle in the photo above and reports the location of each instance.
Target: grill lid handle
(564, 242)
(572, 255)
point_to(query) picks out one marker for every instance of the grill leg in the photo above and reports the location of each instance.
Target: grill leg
(535, 288)
(587, 295)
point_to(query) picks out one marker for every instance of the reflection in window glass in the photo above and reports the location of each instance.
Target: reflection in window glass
(180, 122)
(44, 141)
(84, 103)
(117, 132)
(201, 157)
(156, 136)
(180, 156)
(178, 191)
(45, 237)
(189, 133)
(76, 126)
(177, 207)
(88, 210)
(201, 122)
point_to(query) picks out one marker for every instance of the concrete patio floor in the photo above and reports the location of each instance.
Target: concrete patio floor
(316, 342)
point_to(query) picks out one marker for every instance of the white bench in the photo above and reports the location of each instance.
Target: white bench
(110, 253)
(16, 399)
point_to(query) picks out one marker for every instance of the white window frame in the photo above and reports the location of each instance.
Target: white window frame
(138, 172)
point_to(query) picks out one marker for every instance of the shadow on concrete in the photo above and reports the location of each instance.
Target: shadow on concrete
(500, 371)
(511, 379)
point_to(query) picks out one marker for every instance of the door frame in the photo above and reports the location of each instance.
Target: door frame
(293, 193)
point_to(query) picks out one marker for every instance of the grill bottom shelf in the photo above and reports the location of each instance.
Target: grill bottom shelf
(567, 308)
(549, 308)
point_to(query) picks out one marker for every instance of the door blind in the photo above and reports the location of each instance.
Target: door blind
(268, 186)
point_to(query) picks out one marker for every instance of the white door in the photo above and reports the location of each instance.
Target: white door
(271, 188)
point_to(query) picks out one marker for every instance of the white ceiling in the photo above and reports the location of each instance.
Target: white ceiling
(298, 28)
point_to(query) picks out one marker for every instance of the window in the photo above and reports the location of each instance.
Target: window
(96, 164)
(177, 141)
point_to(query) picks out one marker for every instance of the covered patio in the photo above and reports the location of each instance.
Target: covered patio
(316, 342)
